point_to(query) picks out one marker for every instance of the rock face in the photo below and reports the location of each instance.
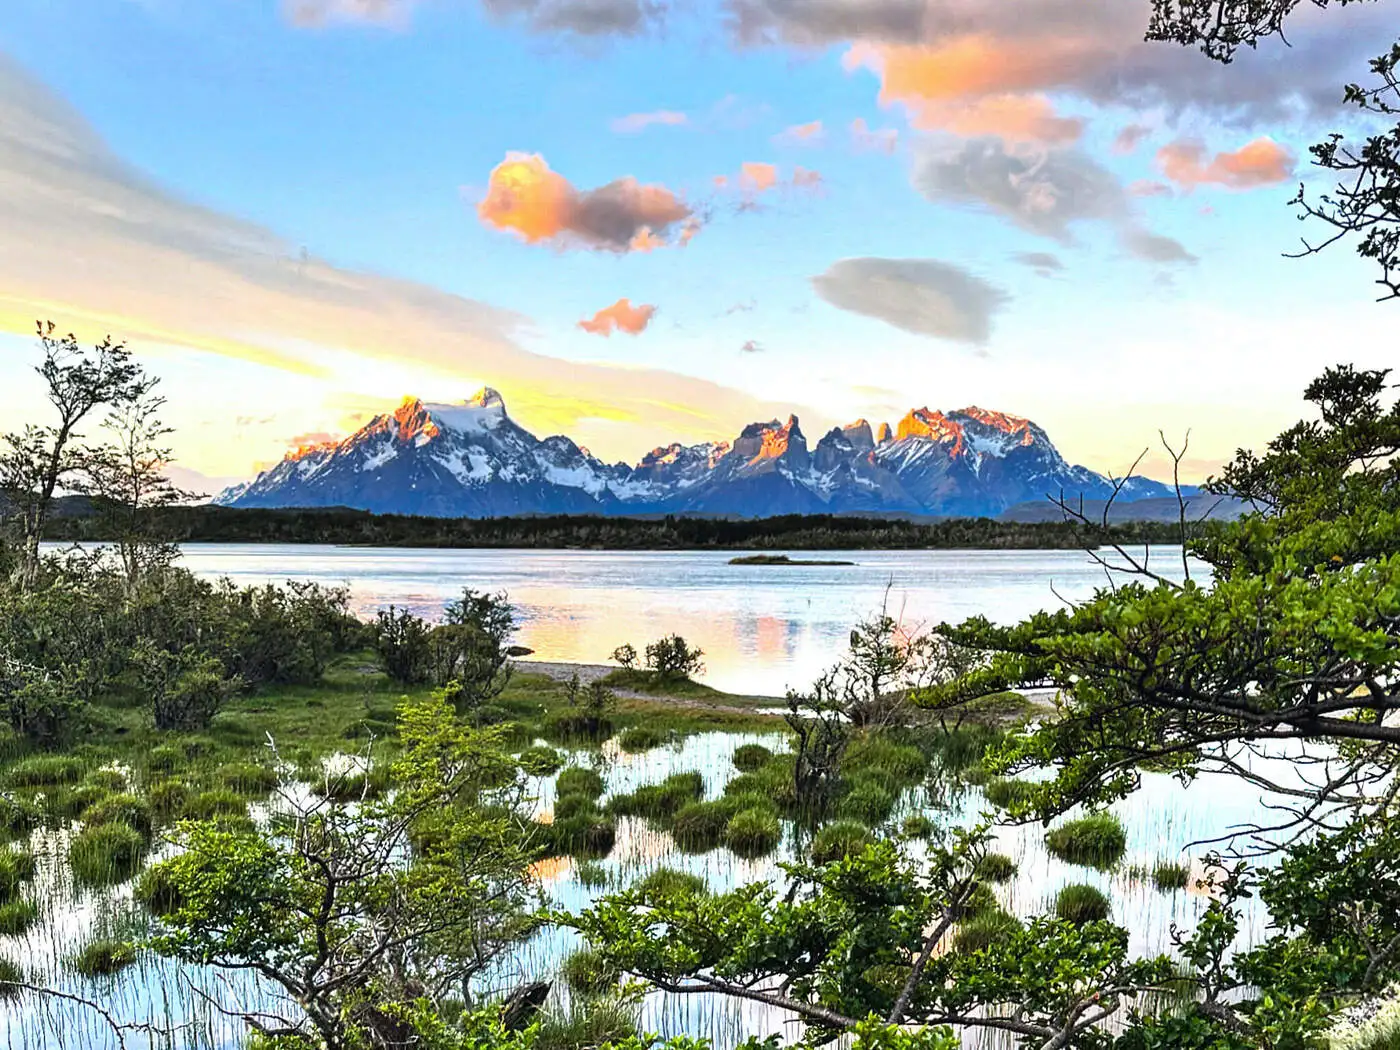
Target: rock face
(473, 460)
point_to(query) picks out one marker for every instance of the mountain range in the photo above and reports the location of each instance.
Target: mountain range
(473, 460)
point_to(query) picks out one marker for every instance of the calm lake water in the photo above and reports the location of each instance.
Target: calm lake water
(763, 628)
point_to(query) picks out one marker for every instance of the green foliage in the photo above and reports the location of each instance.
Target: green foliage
(217, 802)
(588, 1023)
(578, 780)
(839, 840)
(699, 827)
(640, 738)
(660, 802)
(103, 958)
(996, 868)
(1168, 876)
(916, 826)
(159, 890)
(866, 802)
(984, 929)
(16, 868)
(666, 884)
(469, 651)
(106, 853)
(1080, 903)
(45, 771)
(129, 810)
(588, 973)
(753, 833)
(540, 761)
(37, 704)
(402, 642)
(1009, 794)
(1096, 841)
(17, 916)
(247, 778)
(749, 758)
(673, 658)
(187, 689)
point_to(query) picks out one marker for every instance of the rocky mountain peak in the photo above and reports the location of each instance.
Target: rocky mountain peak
(884, 434)
(934, 426)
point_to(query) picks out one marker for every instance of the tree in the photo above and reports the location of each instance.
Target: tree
(39, 459)
(471, 649)
(1366, 201)
(128, 478)
(674, 659)
(364, 912)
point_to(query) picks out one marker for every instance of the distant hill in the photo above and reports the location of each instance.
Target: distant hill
(1199, 507)
(472, 460)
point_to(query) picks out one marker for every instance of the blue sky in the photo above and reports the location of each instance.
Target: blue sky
(214, 143)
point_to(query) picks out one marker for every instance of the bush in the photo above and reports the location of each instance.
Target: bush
(671, 657)
(45, 771)
(40, 707)
(576, 780)
(1095, 841)
(401, 639)
(106, 854)
(669, 884)
(625, 656)
(247, 778)
(749, 758)
(983, 930)
(134, 812)
(838, 840)
(586, 972)
(1168, 876)
(103, 958)
(1080, 904)
(186, 689)
(997, 868)
(640, 738)
(16, 868)
(17, 916)
(540, 761)
(753, 833)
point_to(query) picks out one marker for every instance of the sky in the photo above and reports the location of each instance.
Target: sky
(655, 220)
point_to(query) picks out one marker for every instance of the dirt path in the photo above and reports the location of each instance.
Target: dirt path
(589, 673)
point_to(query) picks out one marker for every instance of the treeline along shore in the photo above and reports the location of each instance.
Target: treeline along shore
(343, 526)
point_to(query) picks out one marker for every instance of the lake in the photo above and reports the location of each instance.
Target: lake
(763, 628)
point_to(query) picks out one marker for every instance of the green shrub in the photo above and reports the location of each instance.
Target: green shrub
(701, 826)
(671, 657)
(576, 780)
(405, 652)
(640, 738)
(838, 840)
(158, 892)
(540, 761)
(867, 802)
(751, 757)
(219, 802)
(134, 812)
(1080, 904)
(1095, 841)
(1168, 876)
(983, 930)
(103, 958)
(247, 778)
(16, 868)
(753, 833)
(587, 972)
(45, 771)
(17, 916)
(997, 868)
(591, 875)
(917, 826)
(669, 884)
(10, 975)
(105, 854)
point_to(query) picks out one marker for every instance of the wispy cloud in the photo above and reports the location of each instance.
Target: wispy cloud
(638, 122)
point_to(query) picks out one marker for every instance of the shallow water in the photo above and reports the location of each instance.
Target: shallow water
(763, 628)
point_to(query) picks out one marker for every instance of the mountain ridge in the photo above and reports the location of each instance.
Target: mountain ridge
(473, 460)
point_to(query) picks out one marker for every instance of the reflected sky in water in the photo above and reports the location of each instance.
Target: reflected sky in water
(763, 628)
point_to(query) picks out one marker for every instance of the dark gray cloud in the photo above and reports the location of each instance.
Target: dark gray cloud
(1153, 247)
(589, 18)
(923, 296)
(1042, 263)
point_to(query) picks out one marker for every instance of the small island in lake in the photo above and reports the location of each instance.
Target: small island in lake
(780, 559)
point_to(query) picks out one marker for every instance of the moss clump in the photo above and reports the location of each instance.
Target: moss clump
(103, 958)
(45, 771)
(1168, 876)
(640, 738)
(1096, 841)
(997, 868)
(753, 833)
(16, 868)
(17, 916)
(134, 812)
(247, 778)
(587, 972)
(749, 758)
(540, 761)
(983, 930)
(579, 781)
(106, 854)
(670, 884)
(157, 891)
(220, 802)
(1080, 904)
(838, 840)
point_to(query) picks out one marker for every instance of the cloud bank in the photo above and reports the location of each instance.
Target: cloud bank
(923, 296)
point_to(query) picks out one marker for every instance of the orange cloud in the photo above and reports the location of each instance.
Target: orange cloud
(801, 134)
(621, 316)
(526, 197)
(1262, 162)
(635, 122)
(758, 176)
(977, 85)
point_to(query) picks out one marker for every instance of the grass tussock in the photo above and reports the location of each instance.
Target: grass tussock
(540, 761)
(45, 771)
(105, 854)
(588, 973)
(670, 884)
(1169, 876)
(838, 840)
(753, 833)
(1081, 903)
(996, 868)
(1096, 841)
(576, 780)
(103, 957)
(17, 916)
(751, 757)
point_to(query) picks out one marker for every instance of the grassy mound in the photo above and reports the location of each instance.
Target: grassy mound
(640, 738)
(753, 833)
(983, 930)
(1096, 841)
(668, 884)
(577, 780)
(838, 840)
(996, 868)
(540, 761)
(1080, 903)
(586, 972)
(103, 958)
(105, 854)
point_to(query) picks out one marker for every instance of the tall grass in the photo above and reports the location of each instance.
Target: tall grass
(1096, 841)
